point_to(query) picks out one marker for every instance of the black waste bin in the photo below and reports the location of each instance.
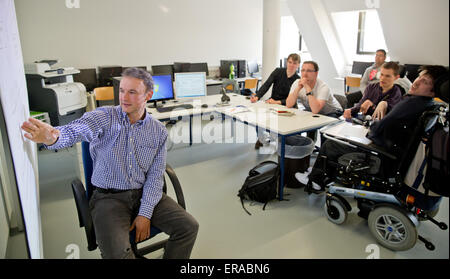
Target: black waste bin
(298, 150)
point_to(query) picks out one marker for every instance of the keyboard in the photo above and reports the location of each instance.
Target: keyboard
(166, 109)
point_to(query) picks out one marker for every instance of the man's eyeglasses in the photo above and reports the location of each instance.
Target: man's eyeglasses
(308, 71)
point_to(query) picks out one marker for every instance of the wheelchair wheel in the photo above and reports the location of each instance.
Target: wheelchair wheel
(392, 228)
(335, 210)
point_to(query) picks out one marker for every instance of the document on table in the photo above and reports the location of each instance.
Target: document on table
(349, 131)
(236, 109)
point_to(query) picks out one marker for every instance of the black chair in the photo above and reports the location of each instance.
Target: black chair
(342, 100)
(82, 196)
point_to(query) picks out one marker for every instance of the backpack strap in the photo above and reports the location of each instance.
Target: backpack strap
(242, 202)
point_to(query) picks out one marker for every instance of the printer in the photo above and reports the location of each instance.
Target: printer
(52, 90)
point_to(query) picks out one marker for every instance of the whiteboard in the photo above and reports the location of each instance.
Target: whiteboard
(14, 100)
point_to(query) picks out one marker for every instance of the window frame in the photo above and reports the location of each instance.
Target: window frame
(361, 30)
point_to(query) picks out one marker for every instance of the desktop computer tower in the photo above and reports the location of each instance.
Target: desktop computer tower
(225, 68)
(241, 71)
(106, 73)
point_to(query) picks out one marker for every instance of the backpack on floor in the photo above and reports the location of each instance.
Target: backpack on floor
(261, 184)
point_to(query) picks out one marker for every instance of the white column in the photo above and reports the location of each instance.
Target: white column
(271, 38)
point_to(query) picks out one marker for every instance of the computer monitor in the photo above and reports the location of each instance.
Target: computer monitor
(88, 77)
(199, 67)
(106, 73)
(139, 67)
(162, 70)
(181, 67)
(162, 89)
(190, 84)
(252, 67)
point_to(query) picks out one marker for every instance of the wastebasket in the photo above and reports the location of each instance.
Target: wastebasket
(296, 158)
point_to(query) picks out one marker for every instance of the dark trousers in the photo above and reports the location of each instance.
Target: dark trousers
(329, 151)
(113, 214)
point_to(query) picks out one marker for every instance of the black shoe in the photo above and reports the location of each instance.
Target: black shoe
(258, 144)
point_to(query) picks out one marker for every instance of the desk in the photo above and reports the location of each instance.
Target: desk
(284, 126)
(258, 115)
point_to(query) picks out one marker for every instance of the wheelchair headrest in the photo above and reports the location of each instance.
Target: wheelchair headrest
(441, 89)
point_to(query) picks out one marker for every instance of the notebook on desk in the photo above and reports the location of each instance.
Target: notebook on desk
(346, 130)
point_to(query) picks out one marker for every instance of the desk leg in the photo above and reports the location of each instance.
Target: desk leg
(190, 130)
(282, 153)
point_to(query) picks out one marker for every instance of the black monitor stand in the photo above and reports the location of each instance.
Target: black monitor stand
(154, 104)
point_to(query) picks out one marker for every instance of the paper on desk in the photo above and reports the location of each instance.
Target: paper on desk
(349, 131)
(237, 109)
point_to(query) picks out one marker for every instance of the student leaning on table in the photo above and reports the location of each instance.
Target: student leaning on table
(313, 93)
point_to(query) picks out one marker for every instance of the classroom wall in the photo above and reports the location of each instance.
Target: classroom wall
(416, 32)
(139, 32)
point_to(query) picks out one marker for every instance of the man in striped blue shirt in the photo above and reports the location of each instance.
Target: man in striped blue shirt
(128, 149)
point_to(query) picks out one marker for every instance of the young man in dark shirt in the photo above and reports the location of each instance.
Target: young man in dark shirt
(282, 79)
(389, 133)
(380, 97)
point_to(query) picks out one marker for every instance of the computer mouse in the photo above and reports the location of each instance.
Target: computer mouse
(204, 106)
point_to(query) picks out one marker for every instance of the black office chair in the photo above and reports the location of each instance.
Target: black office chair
(342, 100)
(83, 195)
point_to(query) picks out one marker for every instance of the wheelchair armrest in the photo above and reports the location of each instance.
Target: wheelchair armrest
(366, 147)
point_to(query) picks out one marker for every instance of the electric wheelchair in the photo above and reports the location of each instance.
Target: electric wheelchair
(377, 179)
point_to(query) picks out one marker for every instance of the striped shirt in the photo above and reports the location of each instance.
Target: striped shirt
(125, 156)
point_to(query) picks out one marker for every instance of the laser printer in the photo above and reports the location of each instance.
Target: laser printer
(53, 90)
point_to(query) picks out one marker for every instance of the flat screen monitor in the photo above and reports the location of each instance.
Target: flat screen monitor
(162, 88)
(139, 67)
(88, 77)
(190, 84)
(181, 67)
(199, 67)
(106, 73)
(252, 67)
(162, 70)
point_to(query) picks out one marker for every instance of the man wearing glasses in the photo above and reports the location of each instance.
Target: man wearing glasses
(313, 93)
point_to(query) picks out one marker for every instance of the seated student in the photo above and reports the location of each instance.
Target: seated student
(390, 132)
(371, 75)
(313, 93)
(282, 79)
(380, 97)
(403, 82)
